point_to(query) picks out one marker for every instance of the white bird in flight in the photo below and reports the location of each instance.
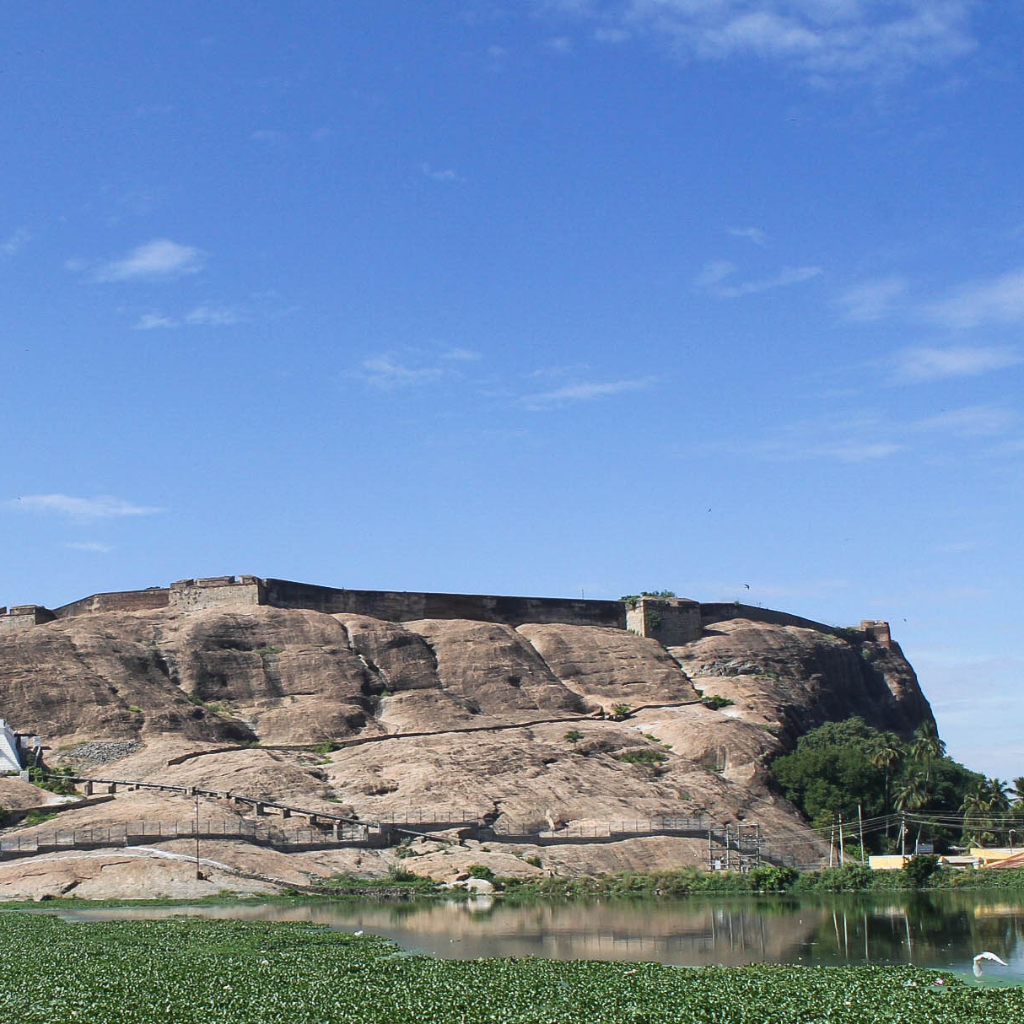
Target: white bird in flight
(986, 956)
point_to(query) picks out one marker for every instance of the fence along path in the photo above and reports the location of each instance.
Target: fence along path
(737, 845)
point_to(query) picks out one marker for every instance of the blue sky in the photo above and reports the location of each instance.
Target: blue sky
(528, 298)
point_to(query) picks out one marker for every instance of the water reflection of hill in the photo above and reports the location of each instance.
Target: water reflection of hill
(934, 929)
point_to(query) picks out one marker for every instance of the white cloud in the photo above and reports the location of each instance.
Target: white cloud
(153, 321)
(583, 391)
(14, 241)
(855, 451)
(212, 316)
(999, 300)
(713, 276)
(970, 421)
(440, 175)
(386, 372)
(871, 300)
(921, 365)
(823, 39)
(462, 355)
(101, 507)
(755, 235)
(158, 260)
(558, 44)
(91, 545)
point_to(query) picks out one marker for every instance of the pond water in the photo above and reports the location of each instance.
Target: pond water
(942, 930)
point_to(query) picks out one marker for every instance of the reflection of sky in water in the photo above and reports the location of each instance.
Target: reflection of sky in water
(942, 930)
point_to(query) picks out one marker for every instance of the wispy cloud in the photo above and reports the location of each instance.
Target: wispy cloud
(101, 507)
(437, 174)
(755, 235)
(872, 436)
(823, 39)
(714, 276)
(997, 300)
(925, 364)
(158, 260)
(153, 321)
(91, 545)
(583, 391)
(461, 355)
(871, 300)
(201, 316)
(385, 371)
(213, 316)
(14, 241)
(970, 421)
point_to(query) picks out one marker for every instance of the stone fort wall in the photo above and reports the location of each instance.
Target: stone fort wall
(671, 621)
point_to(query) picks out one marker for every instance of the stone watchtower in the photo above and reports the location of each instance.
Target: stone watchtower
(669, 620)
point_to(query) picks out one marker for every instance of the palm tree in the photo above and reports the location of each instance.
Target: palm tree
(998, 795)
(913, 793)
(927, 746)
(888, 755)
(1017, 786)
(975, 804)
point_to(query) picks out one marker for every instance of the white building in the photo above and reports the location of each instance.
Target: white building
(10, 757)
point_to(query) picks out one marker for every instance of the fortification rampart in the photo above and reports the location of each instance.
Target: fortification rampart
(407, 606)
(670, 620)
(22, 616)
(117, 601)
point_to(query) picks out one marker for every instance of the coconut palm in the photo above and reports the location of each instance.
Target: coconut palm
(927, 746)
(998, 795)
(888, 756)
(912, 793)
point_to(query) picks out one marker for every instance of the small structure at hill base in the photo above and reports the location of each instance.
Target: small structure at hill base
(15, 748)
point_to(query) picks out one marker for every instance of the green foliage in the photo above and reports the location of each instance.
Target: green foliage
(480, 871)
(53, 780)
(264, 651)
(717, 701)
(621, 710)
(135, 709)
(573, 736)
(38, 817)
(213, 972)
(841, 765)
(533, 860)
(633, 599)
(327, 747)
(919, 869)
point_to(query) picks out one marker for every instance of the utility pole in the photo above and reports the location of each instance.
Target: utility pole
(831, 844)
(727, 859)
(842, 853)
(903, 834)
(860, 820)
(199, 874)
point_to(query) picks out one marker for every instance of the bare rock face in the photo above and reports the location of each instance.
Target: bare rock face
(794, 679)
(610, 666)
(513, 726)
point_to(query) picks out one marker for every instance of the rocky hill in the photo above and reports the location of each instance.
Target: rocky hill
(536, 728)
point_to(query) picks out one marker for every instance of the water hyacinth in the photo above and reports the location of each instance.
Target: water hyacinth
(197, 972)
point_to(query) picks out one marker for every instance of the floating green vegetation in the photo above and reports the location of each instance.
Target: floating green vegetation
(205, 972)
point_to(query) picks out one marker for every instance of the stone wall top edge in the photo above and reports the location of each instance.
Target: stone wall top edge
(270, 580)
